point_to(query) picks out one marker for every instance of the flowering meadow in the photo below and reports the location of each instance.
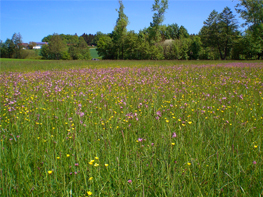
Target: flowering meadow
(174, 130)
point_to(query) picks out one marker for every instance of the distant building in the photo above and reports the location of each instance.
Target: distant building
(39, 45)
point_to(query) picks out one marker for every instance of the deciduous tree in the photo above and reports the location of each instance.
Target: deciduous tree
(252, 12)
(105, 47)
(57, 47)
(120, 31)
(17, 40)
(159, 7)
(219, 31)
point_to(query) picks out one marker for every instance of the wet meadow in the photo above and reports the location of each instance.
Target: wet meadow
(131, 128)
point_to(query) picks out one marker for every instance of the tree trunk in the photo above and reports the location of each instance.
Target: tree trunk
(260, 54)
(225, 50)
(122, 52)
(220, 52)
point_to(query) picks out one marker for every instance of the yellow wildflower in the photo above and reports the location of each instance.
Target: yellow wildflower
(91, 162)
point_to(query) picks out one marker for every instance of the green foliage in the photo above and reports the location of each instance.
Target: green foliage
(251, 49)
(180, 49)
(58, 48)
(81, 51)
(47, 38)
(156, 52)
(131, 46)
(104, 46)
(45, 52)
(119, 33)
(219, 38)
(17, 40)
(182, 32)
(159, 8)
(90, 39)
(172, 31)
(220, 31)
(195, 48)
(4, 50)
(252, 12)
(12, 48)
(112, 46)
(65, 55)
(209, 53)
(184, 48)
(30, 54)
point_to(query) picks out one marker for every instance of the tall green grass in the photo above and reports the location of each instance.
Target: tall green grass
(24, 65)
(127, 129)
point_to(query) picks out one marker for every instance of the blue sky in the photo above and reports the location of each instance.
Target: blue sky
(37, 19)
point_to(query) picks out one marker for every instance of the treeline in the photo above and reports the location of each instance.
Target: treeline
(219, 38)
(65, 47)
(90, 39)
(12, 48)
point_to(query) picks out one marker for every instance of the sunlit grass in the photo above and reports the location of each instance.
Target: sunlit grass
(16, 65)
(131, 128)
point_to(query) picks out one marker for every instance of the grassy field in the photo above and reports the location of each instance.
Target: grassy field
(94, 53)
(131, 128)
(16, 65)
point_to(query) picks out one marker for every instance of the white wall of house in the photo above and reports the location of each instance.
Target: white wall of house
(37, 47)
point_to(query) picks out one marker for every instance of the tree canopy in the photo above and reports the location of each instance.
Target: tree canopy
(219, 31)
(252, 12)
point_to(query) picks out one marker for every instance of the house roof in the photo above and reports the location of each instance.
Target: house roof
(23, 44)
(41, 43)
